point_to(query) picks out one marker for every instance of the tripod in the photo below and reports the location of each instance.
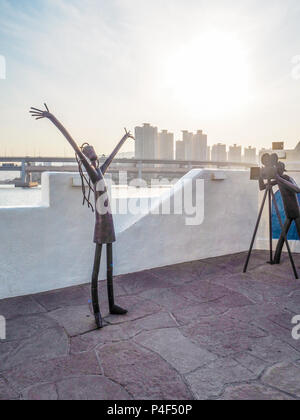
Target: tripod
(271, 198)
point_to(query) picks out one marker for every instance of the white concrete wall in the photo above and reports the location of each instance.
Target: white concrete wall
(51, 247)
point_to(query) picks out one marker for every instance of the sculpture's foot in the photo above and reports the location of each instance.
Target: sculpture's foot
(98, 319)
(117, 310)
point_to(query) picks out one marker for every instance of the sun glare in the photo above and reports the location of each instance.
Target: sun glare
(210, 74)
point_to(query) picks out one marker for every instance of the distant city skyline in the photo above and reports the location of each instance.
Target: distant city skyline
(152, 144)
(229, 67)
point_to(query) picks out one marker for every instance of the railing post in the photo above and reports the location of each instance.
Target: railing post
(140, 166)
(28, 175)
(23, 172)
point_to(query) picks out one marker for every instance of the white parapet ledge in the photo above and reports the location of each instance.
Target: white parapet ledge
(51, 247)
(218, 176)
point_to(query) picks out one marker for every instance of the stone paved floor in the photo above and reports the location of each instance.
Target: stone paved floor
(200, 330)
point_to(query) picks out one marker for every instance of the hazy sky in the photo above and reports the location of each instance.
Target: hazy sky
(218, 65)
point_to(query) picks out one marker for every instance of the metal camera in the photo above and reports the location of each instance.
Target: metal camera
(269, 169)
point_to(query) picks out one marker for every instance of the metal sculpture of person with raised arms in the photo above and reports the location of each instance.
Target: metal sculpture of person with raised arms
(104, 232)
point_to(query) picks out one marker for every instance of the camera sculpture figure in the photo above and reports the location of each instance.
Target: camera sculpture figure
(273, 173)
(104, 232)
(269, 170)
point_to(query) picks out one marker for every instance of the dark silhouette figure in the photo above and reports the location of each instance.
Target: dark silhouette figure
(273, 173)
(289, 190)
(104, 232)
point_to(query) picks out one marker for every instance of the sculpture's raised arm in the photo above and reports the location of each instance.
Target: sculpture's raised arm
(39, 114)
(108, 161)
(287, 184)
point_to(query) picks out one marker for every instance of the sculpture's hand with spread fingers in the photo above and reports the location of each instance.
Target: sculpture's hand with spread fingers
(129, 135)
(109, 160)
(38, 114)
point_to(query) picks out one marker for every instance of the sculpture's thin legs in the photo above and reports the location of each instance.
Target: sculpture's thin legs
(113, 308)
(284, 234)
(95, 298)
(110, 286)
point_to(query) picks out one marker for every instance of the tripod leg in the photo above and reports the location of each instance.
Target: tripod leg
(95, 298)
(113, 308)
(286, 228)
(255, 230)
(285, 237)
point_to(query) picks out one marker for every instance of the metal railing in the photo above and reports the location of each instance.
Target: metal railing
(27, 165)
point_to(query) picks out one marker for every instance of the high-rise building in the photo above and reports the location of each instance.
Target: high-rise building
(208, 153)
(180, 150)
(166, 145)
(200, 146)
(187, 138)
(219, 153)
(250, 155)
(235, 153)
(146, 142)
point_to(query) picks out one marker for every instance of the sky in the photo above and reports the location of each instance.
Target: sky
(228, 67)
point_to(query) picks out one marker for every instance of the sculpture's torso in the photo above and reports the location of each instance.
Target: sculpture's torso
(104, 232)
(290, 199)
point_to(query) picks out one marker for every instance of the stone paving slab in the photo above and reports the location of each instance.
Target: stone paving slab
(210, 381)
(206, 291)
(223, 335)
(272, 350)
(144, 374)
(73, 296)
(253, 392)
(89, 387)
(41, 392)
(6, 392)
(45, 345)
(21, 327)
(121, 332)
(215, 307)
(137, 308)
(176, 349)
(31, 373)
(284, 376)
(179, 274)
(145, 280)
(75, 320)
(199, 330)
(20, 306)
(243, 283)
(280, 327)
(169, 299)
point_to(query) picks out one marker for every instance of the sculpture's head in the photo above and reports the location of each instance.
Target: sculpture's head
(280, 168)
(90, 153)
